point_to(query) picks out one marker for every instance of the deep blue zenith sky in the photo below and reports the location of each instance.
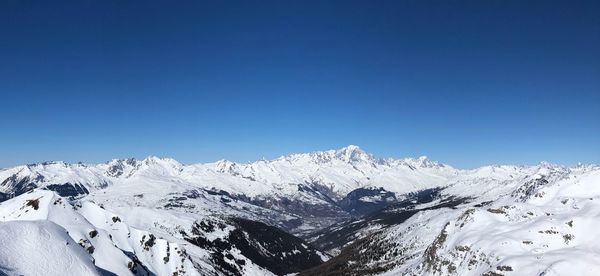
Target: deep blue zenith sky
(465, 82)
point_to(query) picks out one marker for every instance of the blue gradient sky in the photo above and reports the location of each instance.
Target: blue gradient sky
(467, 83)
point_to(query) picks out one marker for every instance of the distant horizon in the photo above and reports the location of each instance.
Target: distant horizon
(292, 153)
(467, 83)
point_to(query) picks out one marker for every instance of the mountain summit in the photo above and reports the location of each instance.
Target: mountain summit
(353, 153)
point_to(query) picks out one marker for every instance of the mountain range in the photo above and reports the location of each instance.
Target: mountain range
(335, 212)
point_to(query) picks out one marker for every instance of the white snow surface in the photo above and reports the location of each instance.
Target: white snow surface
(40, 248)
(112, 238)
(532, 220)
(549, 231)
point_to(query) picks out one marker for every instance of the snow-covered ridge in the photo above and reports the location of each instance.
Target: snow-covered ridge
(536, 220)
(340, 171)
(111, 244)
(160, 216)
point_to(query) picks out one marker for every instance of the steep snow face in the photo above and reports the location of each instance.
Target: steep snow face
(39, 248)
(538, 224)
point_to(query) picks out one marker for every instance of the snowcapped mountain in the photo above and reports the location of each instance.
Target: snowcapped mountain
(351, 214)
(537, 223)
(340, 171)
(302, 187)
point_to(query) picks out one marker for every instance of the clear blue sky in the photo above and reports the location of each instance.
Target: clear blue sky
(464, 82)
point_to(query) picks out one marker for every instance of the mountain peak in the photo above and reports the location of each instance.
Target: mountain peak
(129, 161)
(351, 148)
(118, 167)
(160, 160)
(353, 153)
(224, 165)
(161, 166)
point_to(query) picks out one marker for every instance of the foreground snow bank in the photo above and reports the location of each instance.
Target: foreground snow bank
(108, 241)
(37, 247)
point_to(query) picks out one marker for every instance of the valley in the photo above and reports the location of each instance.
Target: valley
(336, 212)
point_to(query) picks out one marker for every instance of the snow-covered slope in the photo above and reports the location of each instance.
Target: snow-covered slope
(157, 242)
(113, 245)
(40, 247)
(542, 223)
(372, 216)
